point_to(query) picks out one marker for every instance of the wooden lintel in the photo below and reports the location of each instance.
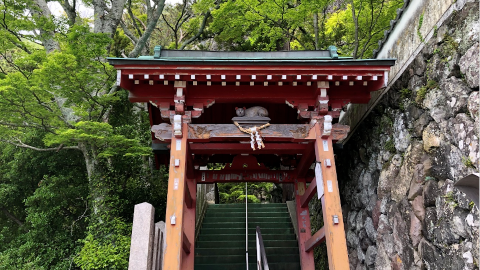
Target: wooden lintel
(186, 244)
(208, 177)
(245, 148)
(315, 240)
(311, 190)
(339, 132)
(188, 197)
(222, 132)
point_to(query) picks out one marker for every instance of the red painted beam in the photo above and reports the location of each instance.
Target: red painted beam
(258, 93)
(311, 190)
(315, 240)
(245, 148)
(185, 70)
(188, 197)
(306, 161)
(186, 244)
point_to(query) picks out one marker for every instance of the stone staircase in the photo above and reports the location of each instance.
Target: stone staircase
(221, 242)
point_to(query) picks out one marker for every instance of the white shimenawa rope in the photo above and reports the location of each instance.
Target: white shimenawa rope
(254, 135)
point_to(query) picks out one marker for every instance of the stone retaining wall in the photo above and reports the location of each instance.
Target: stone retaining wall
(398, 169)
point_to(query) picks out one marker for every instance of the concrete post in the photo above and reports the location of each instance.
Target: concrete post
(142, 238)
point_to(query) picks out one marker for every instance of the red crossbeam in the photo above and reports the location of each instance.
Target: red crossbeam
(315, 240)
(311, 190)
(306, 161)
(186, 244)
(201, 94)
(188, 197)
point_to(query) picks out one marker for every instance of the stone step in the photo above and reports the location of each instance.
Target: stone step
(251, 220)
(232, 225)
(252, 266)
(250, 205)
(242, 214)
(215, 259)
(241, 251)
(241, 237)
(240, 230)
(240, 244)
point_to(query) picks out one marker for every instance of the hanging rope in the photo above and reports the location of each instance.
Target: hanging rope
(254, 135)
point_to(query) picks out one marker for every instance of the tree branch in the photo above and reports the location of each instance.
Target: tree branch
(22, 145)
(70, 10)
(152, 22)
(129, 34)
(11, 216)
(134, 21)
(199, 32)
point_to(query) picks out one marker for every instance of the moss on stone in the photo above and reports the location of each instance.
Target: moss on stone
(422, 92)
(390, 146)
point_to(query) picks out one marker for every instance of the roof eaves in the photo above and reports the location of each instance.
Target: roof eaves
(393, 23)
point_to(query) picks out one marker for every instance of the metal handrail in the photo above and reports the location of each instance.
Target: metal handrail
(246, 222)
(262, 263)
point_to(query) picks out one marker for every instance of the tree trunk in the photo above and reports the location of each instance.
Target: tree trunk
(355, 22)
(97, 184)
(47, 37)
(315, 27)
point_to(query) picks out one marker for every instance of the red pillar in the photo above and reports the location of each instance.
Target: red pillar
(189, 224)
(176, 203)
(331, 207)
(304, 231)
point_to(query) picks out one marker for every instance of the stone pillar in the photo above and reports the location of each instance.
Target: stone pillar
(142, 238)
(158, 245)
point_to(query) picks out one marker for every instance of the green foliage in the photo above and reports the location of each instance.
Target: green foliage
(468, 162)
(420, 23)
(390, 146)
(65, 100)
(47, 192)
(373, 19)
(235, 192)
(386, 123)
(406, 93)
(422, 92)
(253, 25)
(110, 252)
(316, 221)
(450, 199)
(448, 47)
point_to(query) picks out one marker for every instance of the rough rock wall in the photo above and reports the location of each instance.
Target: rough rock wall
(397, 172)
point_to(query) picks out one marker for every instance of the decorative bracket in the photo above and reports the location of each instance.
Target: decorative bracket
(179, 98)
(177, 126)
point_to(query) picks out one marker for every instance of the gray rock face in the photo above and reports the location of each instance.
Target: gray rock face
(469, 65)
(430, 193)
(371, 232)
(415, 230)
(402, 182)
(401, 136)
(473, 105)
(370, 256)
